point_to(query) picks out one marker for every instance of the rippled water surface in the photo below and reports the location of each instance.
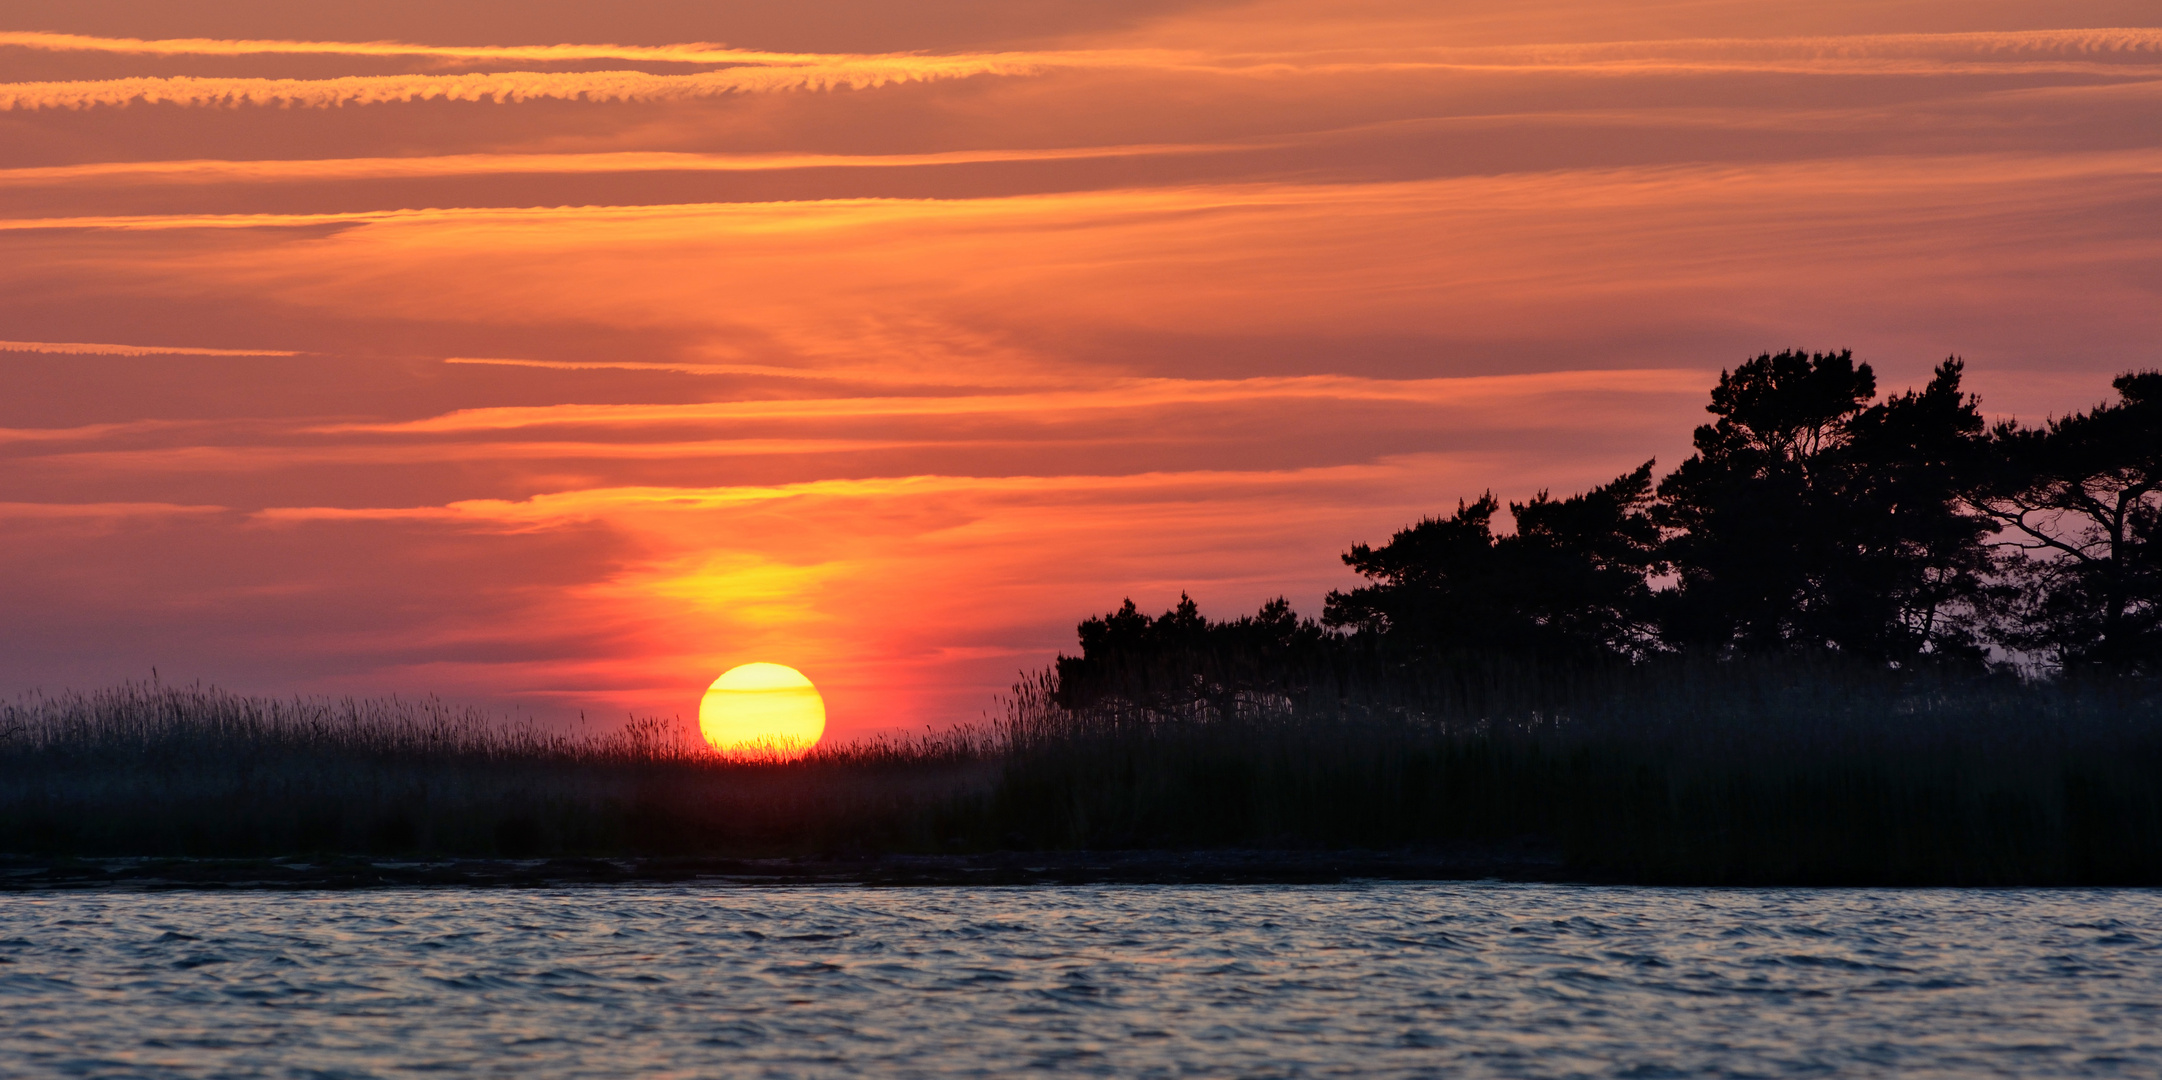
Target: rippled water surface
(1381, 980)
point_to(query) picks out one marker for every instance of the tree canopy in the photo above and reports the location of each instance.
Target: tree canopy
(2080, 499)
(1812, 517)
(1570, 581)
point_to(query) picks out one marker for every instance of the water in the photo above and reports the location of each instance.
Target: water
(1381, 980)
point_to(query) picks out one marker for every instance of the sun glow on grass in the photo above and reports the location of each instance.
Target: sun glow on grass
(764, 711)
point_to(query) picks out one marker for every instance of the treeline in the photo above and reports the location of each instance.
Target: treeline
(1814, 519)
(1848, 640)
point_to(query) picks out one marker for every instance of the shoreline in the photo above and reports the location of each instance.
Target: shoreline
(1217, 866)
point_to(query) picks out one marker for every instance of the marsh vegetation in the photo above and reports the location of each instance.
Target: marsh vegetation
(1685, 772)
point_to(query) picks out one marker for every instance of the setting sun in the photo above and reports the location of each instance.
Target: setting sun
(762, 709)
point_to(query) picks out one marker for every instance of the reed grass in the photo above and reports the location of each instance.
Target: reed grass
(147, 769)
(1789, 771)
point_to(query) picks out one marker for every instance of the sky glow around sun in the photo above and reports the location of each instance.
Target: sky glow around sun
(554, 354)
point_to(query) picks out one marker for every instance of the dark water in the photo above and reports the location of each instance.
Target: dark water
(1383, 980)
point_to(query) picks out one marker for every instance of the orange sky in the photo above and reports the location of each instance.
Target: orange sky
(562, 356)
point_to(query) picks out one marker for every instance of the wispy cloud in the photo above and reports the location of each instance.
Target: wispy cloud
(1117, 394)
(393, 168)
(2100, 41)
(276, 456)
(865, 374)
(559, 508)
(500, 87)
(2095, 41)
(88, 348)
(762, 72)
(100, 511)
(161, 222)
(1547, 188)
(687, 53)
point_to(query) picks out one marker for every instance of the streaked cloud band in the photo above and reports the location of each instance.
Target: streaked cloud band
(87, 348)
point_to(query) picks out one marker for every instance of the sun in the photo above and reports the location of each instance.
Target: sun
(762, 710)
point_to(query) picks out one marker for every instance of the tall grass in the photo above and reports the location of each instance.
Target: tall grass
(1789, 771)
(1772, 771)
(146, 769)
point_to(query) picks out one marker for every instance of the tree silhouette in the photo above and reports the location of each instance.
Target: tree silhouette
(1812, 517)
(1747, 539)
(2081, 499)
(1179, 661)
(1571, 581)
(1909, 572)
(1809, 518)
